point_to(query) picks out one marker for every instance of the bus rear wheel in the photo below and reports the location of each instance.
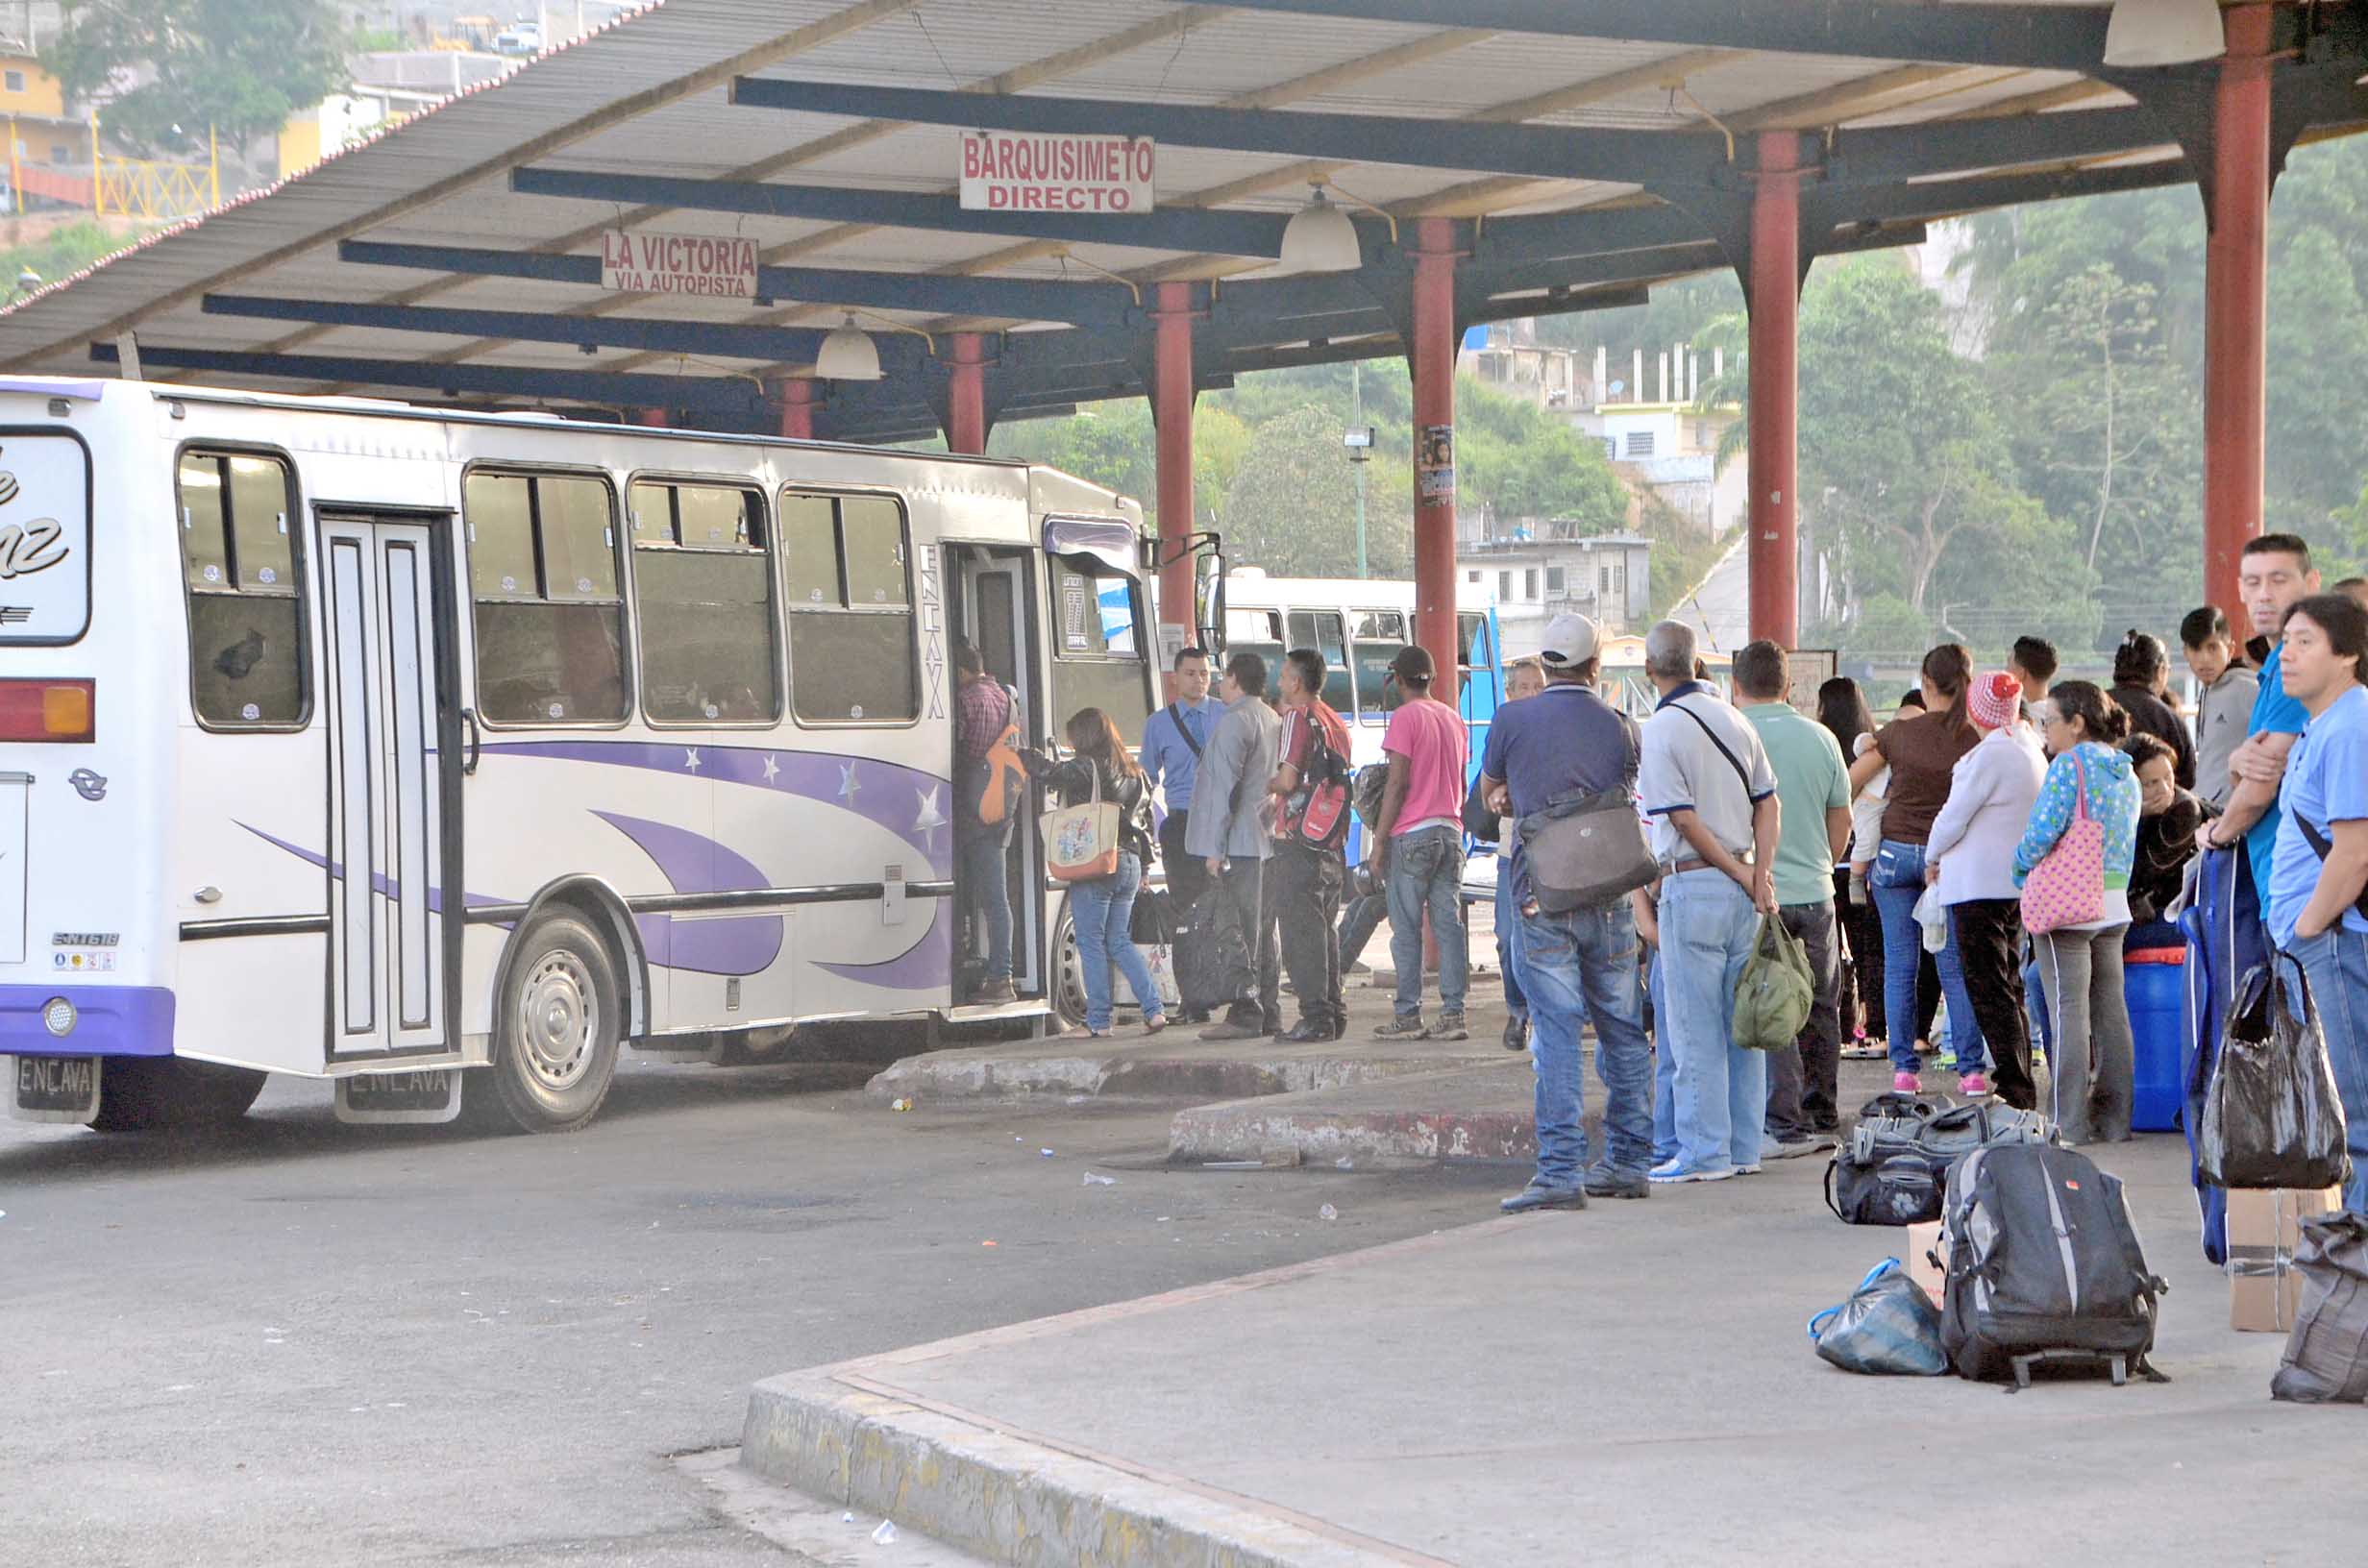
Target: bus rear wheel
(153, 1094)
(558, 1024)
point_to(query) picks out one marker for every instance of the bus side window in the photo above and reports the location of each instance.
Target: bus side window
(703, 586)
(849, 599)
(246, 612)
(550, 618)
(1323, 631)
(1376, 636)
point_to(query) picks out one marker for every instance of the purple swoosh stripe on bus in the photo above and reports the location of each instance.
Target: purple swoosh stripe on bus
(928, 965)
(693, 863)
(914, 805)
(380, 884)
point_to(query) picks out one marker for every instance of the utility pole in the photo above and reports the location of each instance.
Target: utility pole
(1356, 421)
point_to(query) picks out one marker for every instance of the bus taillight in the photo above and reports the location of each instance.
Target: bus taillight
(48, 710)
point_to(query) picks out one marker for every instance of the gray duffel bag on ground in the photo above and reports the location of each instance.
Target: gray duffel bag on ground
(2327, 1354)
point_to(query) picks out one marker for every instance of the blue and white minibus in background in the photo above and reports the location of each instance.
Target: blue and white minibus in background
(448, 755)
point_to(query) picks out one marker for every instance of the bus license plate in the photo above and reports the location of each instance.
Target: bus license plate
(424, 1095)
(57, 1088)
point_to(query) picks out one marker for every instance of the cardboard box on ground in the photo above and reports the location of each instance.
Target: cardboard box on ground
(2264, 1227)
(1921, 1247)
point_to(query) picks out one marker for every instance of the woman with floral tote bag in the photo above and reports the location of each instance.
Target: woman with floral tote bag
(2073, 865)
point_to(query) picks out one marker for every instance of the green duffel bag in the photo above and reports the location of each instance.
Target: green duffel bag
(1773, 999)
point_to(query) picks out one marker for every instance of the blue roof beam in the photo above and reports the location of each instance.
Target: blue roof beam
(1096, 304)
(769, 343)
(1167, 229)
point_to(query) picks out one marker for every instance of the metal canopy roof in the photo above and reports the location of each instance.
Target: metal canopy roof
(1586, 151)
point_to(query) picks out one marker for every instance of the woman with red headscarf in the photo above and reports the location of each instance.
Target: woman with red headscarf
(1970, 857)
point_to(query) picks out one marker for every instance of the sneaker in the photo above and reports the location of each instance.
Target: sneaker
(1907, 1083)
(1747, 1170)
(1973, 1086)
(1673, 1171)
(1865, 1048)
(1450, 1026)
(1606, 1182)
(1516, 1032)
(1537, 1195)
(1793, 1148)
(1409, 1027)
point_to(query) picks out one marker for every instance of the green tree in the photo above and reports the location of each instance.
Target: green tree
(1292, 507)
(240, 66)
(1515, 460)
(64, 252)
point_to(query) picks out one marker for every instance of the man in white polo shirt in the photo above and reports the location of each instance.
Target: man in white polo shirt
(1706, 782)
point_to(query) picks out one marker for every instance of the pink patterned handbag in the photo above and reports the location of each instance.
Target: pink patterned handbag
(2068, 887)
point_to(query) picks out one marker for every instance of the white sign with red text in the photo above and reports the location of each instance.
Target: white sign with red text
(1027, 171)
(720, 265)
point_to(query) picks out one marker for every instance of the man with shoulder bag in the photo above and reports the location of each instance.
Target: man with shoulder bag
(1565, 764)
(1304, 875)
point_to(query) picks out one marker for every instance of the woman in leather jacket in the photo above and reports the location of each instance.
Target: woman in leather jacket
(1101, 909)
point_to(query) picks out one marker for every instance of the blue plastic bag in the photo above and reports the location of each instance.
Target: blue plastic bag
(1888, 1326)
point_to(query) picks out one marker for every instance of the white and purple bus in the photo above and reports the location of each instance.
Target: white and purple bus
(446, 755)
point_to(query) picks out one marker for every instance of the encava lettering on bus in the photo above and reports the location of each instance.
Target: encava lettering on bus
(642, 262)
(1025, 171)
(44, 539)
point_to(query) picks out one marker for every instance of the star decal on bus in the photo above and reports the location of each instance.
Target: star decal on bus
(773, 767)
(847, 785)
(690, 758)
(931, 817)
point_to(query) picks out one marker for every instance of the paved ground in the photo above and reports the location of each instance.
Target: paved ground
(302, 1343)
(1632, 1385)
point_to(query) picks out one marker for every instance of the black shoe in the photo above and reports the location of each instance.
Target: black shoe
(1604, 1181)
(1539, 1196)
(1309, 1032)
(1516, 1032)
(1230, 1030)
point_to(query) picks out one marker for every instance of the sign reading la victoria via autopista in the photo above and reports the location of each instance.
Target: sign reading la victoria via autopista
(723, 266)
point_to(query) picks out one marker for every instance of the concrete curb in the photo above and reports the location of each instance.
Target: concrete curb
(1011, 1500)
(974, 1075)
(1240, 1131)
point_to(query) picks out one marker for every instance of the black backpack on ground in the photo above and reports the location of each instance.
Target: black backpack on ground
(2042, 1263)
(1894, 1169)
(1210, 956)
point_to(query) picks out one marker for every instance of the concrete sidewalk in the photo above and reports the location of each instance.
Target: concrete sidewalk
(1627, 1384)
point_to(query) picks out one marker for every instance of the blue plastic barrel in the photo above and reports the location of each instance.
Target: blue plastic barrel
(2154, 982)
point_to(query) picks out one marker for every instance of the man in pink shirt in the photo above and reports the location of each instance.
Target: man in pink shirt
(1419, 847)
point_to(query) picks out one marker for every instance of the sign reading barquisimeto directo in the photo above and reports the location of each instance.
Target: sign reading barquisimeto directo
(721, 266)
(44, 539)
(1029, 171)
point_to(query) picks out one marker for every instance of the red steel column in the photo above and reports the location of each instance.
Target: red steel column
(1775, 385)
(966, 396)
(1433, 356)
(1171, 417)
(795, 396)
(2237, 307)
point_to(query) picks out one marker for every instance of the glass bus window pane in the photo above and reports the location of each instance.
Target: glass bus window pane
(260, 523)
(1116, 686)
(1377, 626)
(707, 636)
(872, 528)
(810, 551)
(1374, 693)
(545, 664)
(652, 510)
(714, 517)
(205, 553)
(500, 536)
(1331, 642)
(246, 658)
(1095, 610)
(580, 553)
(1471, 642)
(868, 671)
(1252, 626)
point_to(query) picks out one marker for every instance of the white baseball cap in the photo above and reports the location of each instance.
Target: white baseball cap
(1570, 640)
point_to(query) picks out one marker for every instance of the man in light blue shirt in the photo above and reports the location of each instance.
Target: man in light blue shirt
(1170, 758)
(2321, 861)
(2272, 576)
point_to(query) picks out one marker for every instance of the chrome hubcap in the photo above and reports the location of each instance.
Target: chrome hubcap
(559, 1019)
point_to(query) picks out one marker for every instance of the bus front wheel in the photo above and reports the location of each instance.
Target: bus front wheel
(559, 1022)
(149, 1093)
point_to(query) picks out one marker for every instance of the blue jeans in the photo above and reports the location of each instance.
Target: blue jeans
(1721, 1093)
(2035, 1003)
(1426, 871)
(1664, 1074)
(1101, 911)
(1578, 965)
(1897, 882)
(1508, 951)
(2335, 963)
(984, 883)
